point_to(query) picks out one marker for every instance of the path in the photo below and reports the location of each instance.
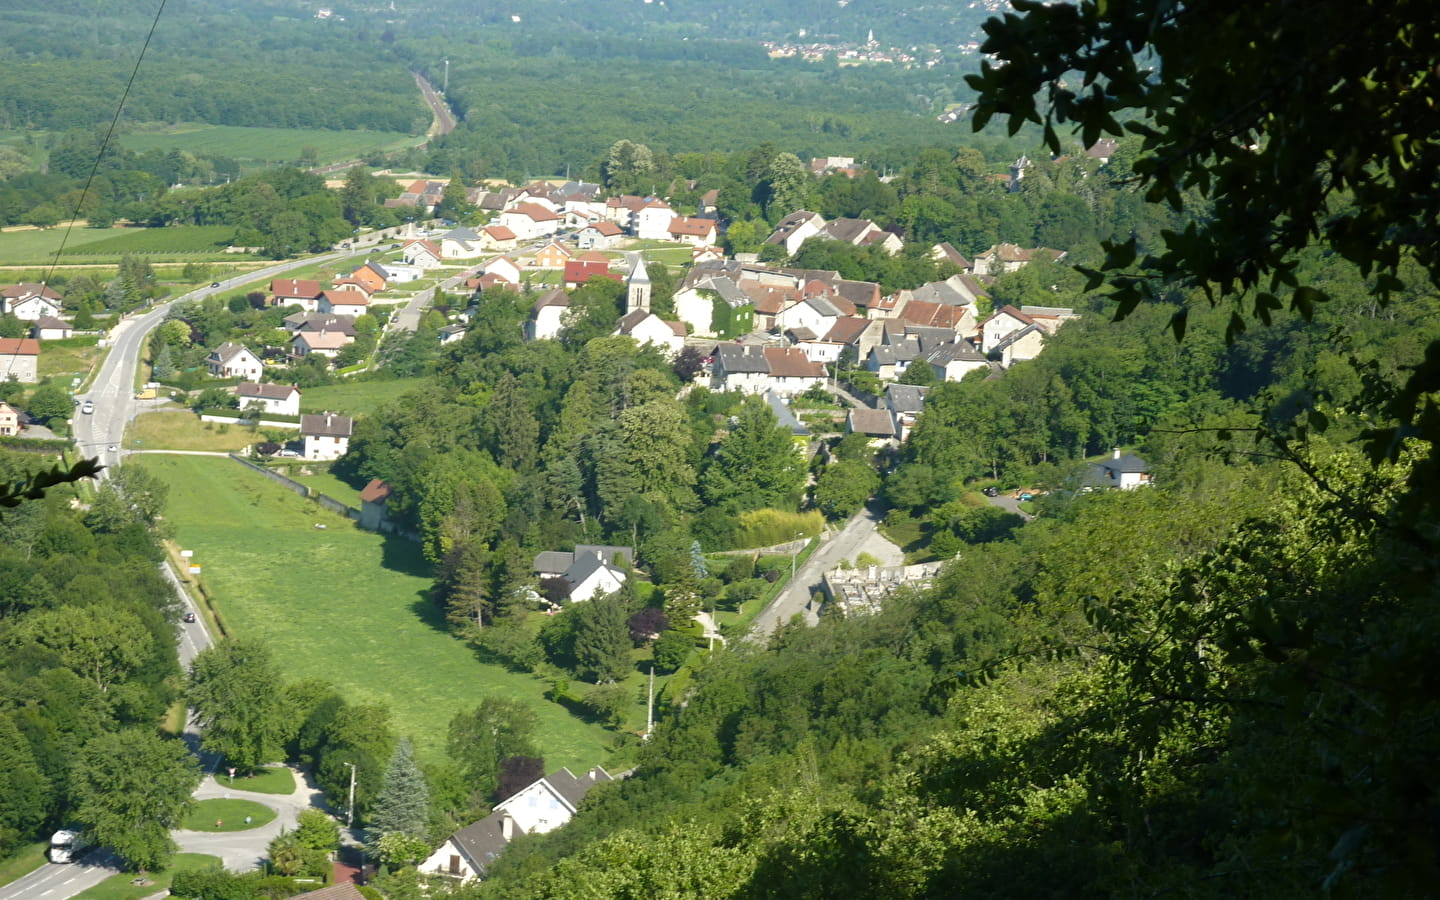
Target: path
(860, 535)
(242, 851)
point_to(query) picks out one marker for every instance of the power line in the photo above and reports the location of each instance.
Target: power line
(105, 144)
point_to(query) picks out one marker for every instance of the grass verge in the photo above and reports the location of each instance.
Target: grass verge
(25, 860)
(227, 815)
(357, 398)
(345, 605)
(272, 780)
(119, 887)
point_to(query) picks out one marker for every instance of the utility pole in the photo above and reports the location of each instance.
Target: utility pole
(350, 809)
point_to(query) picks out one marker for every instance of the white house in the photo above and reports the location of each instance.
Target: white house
(794, 229)
(546, 317)
(425, 254)
(323, 342)
(529, 221)
(647, 328)
(503, 268)
(905, 402)
(815, 314)
(20, 359)
(275, 399)
(695, 305)
(346, 302)
(327, 436)
(952, 362)
(599, 236)
(590, 570)
(541, 806)
(692, 231)
(461, 243)
(652, 221)
(296, 292)
(1002, 258)
(29, 301)
(1125, 471)
(497, 237)
(50, 328)
(231, 360)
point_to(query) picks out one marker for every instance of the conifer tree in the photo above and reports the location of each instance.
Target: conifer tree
(403, 805)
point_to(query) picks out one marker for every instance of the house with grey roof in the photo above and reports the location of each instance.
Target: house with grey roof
(954, 360)
(905, 402)
(547, 316)
(326, 436)
(590, 571)
(538, 808)
(1124, 471)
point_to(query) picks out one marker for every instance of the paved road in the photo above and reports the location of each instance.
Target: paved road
(860, 535)
(408, 318)
(242, 851)
(57, 882)
(444, 119)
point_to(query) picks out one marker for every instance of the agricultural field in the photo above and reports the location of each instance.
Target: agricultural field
(36, 247)
(345, 605)
(356, 398)
(268, 144)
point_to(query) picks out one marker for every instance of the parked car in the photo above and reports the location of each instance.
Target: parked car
(214, 284)
(991, 491)
(88, 408)
(189, 617)
(1026, 496)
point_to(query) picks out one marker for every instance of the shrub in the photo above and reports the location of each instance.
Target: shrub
(672, 649)
(768, 527)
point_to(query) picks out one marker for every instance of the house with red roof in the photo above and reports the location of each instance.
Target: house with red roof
(692, 231)
(296, 292)
(20, 359)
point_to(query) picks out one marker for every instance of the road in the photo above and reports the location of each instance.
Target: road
(408, 318)
(102, 433)
(444, 119)
(860, 535)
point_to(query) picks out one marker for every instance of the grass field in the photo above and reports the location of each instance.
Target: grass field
(118, 887)
(344, 605)
(66, 359)
(227, 815)
(273, 144)
(183, 430)
(330, 486)
(356, 398)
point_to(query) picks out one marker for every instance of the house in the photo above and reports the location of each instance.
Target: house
(755, 370)
(320, 322)
(371, 277)
(1002, 258)
(815, 314)
(905, 402)
(823, 165)
(706, 254)
(1049, 318)
(451, 334)
(692, 231)
(1019, 346)
(9, 420)
(875, 424)
(402, 273)
(231, 360)
(860, 233)
(714, 305)
(1006, 321)
(30, 301)
(275, 399)
(785, 418)
(945, 252)
(325, 343)
(341, 890)
(547, 315)
(503, 268)
(373, 513)
(590, 570)
(795, 229)
(497, 237)
(49, 328)
(1125, 471)
(295, 292)
(529, 221)
(652, 220)
(953, 361)
(1102, 149)
(599, 236)
(647, 328)
(553, 255)
(422, 253)
(461, 243)
(540, 807)
(709, 201)
(20, 359)
(327, 436)
(791, 372)
(578, 271)
(344, 302)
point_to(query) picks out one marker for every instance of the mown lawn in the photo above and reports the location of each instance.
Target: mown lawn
(326, 484)
(269, 780)
(356, 398)
(118, 887)
(183, 430)
(344, 605)
(218, 815)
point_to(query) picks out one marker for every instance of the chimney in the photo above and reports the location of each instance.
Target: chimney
(1117, 453)
(507, 827)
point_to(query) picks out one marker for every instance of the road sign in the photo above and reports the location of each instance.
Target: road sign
(186, 554)
(194, 570)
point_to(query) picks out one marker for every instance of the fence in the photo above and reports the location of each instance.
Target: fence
(384, 526)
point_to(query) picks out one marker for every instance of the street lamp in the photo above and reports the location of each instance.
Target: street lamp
(794, 554)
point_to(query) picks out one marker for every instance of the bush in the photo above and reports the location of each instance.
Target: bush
(768, 527)
(608, 703)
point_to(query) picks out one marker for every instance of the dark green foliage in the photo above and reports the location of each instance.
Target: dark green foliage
(672, 649)
(236, 694)
(602, 638)
(480, 740)
(403, 803)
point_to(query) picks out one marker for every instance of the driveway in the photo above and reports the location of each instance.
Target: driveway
(243, 851)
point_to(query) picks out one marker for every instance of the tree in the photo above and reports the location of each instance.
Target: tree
(602, 639)
(236, 693)
(844, 487)
(453, 204)
(1321, 133)
(787, 184)
(49, 401)
(755, 465)
(132, 788)
(403, 805)
(495, 730)
(688, 363)
(672, 649)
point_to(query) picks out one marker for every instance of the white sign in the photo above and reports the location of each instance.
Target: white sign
(194, 570)
(186, 554)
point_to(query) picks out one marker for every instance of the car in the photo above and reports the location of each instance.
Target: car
(214, 284)
(189, 617)
(88, 408)
(991, 491)
(111, 448)
(1026, 496)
